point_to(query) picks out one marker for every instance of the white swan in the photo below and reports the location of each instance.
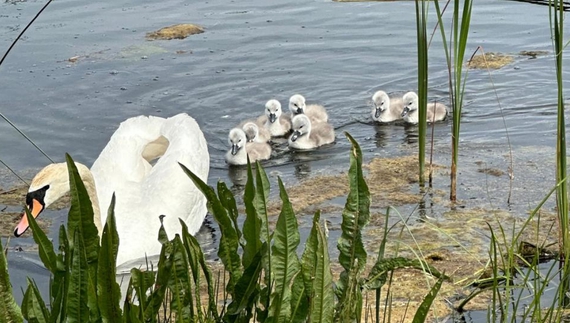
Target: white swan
(254, 133)
(435, 111)
(315, 112)
(241, 148)
(386, 108)
(308, 136)
(274, 120)
(143, 192)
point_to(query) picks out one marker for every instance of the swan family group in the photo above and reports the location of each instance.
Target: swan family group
(140, 166)
(307, 126)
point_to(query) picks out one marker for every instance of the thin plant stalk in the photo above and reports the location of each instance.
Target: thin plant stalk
(421, 24)
(557, 23)
(455, 55)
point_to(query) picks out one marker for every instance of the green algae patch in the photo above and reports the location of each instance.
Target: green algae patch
(179, 31)
(490, 60)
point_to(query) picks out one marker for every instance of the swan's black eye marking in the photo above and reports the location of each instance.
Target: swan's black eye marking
(295, 104)
(37, 195)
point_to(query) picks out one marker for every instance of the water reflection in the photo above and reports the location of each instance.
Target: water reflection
(238, 177)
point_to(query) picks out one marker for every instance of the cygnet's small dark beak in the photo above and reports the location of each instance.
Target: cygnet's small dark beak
(405, 111)
(378, 112)
(235, 149)
(272, 117)
(295, 135)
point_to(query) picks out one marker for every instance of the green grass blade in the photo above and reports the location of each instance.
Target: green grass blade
(423, 310)
(422, 40)
(9, 308)
(108, 291)
(285, 262)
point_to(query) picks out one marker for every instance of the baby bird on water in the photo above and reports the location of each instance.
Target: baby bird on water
(315, 112)
(385, 108)
(274, 120)
(435, 111)
(240, 149)
(308, 136)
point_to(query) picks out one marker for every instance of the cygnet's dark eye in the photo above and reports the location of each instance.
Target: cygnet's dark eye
(301, 127)
(295, 104)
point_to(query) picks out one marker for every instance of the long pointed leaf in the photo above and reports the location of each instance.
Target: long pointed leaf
(352, 255)
(285, 262)
(108, 291)
(8, 304)
(45, 246)
(252, 224)
(423, 310)
(246, 287)
(228, 248)
(77, 309)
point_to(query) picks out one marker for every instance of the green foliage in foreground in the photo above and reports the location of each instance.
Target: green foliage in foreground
(266, 279)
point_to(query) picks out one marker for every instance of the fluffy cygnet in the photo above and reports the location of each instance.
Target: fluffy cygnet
(386, 108)
(254, 133)
(435, 111)
(274, 120)
(315, 112)
(240, 149)
(308, 136)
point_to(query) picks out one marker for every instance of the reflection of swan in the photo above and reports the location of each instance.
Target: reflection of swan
(143, 192)
(315, 112)
(435, 111)
(386, 108)
(306, 136)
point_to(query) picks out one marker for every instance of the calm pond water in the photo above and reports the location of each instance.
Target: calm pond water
(336, 54)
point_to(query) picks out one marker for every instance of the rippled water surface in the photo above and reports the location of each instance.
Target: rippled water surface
(336, 54)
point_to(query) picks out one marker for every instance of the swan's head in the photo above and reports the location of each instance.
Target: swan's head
(272, 110)
(381, 102)
(251, 131)
(237, 140)
(410, 103)
(51, 183)
(301, 126)
(297, 104)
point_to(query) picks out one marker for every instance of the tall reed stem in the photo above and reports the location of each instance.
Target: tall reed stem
(421, 24)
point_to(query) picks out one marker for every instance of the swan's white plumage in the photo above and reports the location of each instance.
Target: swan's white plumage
(308, 136)
(316, 112)
(144, 192)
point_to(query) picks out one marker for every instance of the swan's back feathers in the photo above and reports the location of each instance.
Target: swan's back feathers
(152, 191)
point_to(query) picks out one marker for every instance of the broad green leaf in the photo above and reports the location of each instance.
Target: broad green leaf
(322, 300)
(33, 306)
(139, 284)
(247, 286)
(45, 246)
(182, 302)
(108, 291)
(229, 240)
(158, 286)
(9, 308)
(60, 282)
(229, 202)
(195, 253)
(423, 310)
(300, 301)
(77, 298)
(261, 201)
(81, 214)
(284, 260)
(252, 223)
(352, 255)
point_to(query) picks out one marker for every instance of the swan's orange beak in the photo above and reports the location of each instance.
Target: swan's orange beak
(36, 207)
